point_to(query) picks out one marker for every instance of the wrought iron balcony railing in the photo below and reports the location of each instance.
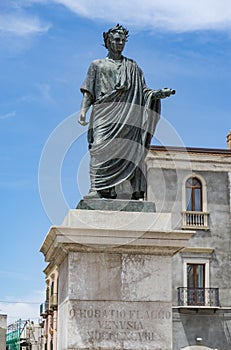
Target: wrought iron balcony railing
(208, 297)
(44, 308)
(195, 219)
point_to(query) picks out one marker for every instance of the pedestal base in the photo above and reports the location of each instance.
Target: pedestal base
(115, 286)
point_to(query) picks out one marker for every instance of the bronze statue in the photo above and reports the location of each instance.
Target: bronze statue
(123, 119)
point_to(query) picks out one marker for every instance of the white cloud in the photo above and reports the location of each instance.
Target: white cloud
(21, 24)
(27, 309)
(170, 15)
(177, 15)
(16, 311)
(7, 115)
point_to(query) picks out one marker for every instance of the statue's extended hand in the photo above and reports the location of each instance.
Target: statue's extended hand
(166, 92)
(82, 119)
(163, 93)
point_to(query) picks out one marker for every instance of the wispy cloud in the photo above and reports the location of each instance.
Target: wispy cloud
(7, 115)
(176, 16)
(25, 308)
(13, 274)
(45, 92)
(21, 24)
(41, 93)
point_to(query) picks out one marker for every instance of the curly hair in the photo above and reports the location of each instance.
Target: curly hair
(118, 28)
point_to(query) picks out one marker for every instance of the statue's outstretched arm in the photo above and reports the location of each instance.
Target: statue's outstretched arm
(85, 105)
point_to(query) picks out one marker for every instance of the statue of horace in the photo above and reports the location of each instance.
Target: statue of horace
(123, 119)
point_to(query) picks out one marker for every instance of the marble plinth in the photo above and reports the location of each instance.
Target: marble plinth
(115, 286)
(117, 205)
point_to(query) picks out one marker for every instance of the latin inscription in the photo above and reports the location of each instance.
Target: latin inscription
(113, 325)
(117, 314)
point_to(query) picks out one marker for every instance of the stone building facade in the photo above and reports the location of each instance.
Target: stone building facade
(49, 309)
(195, 186)
(3, 326)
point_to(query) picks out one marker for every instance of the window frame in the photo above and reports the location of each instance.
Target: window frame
(192, 200)
(196, 261)
(203, 191)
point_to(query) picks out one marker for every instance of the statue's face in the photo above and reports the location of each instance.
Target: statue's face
(116, 42)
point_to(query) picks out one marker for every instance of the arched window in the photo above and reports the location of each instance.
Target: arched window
(194, 202)
(194, 194)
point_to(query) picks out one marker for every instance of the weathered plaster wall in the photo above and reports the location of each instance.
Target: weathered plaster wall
(165, 189)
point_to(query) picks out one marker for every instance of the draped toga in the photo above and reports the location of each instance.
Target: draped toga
(122, 122)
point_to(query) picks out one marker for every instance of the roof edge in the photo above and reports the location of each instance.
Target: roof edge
(190, 149)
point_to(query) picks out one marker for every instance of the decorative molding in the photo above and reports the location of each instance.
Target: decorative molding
(197, 250)
(143, 237)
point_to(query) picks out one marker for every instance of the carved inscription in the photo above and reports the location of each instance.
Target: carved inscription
(117, 314)
(134, 325)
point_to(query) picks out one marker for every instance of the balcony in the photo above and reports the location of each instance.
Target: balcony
(199, 297)
(53, 302)
(44, 309)
(195, 220)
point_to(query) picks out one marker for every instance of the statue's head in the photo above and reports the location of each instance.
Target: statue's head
(119, 30)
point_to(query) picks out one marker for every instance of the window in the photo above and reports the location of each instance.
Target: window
(193, 194)
(52, 288)
(196, 275)
(196, 269)
(196, 284)
(47, 294)
(194, 203)
(196, 291)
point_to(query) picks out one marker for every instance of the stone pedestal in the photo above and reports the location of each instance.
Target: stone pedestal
(115, 284)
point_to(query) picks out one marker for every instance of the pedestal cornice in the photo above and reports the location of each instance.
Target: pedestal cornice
(120, 232)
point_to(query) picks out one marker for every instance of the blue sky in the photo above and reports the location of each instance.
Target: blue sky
(46, 48)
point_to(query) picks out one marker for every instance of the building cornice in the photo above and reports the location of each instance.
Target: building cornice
(191, 159)
(211, 151)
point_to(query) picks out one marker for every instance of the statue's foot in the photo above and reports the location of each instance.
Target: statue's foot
(138, 195)
(108, 193)
(92, 195)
